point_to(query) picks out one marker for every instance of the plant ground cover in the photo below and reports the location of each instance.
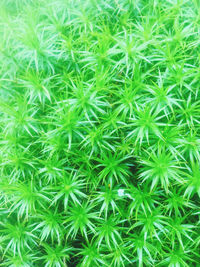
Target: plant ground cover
(99, 133)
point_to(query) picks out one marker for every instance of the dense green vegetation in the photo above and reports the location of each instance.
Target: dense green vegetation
(99, 133)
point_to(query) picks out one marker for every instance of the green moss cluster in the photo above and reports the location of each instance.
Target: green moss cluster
(99, 133)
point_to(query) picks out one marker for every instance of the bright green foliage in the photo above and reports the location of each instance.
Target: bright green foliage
(160, 167)
(55, 256)
(70, 186)
(113, 167)
(80, 217)
(99, 133)
(91, 256)
(108, 230)
(19, 236)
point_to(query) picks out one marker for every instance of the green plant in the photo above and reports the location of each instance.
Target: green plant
(160, 167)
(80, 218)
(55, 255)
(99, 133)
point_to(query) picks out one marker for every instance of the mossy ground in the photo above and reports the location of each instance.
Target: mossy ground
(99, 133)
